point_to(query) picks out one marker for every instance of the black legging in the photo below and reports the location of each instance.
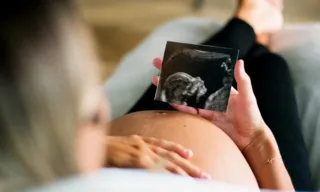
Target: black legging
(273, 88)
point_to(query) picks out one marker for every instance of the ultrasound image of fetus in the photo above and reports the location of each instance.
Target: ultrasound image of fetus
(181, 87)
(196, 76)
(218, 100)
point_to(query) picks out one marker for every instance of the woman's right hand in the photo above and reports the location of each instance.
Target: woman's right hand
(151, 153)
(242, 121)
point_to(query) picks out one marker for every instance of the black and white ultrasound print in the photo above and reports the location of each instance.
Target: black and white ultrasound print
(197, 76)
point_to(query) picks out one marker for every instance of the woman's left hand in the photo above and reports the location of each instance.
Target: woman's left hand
(242, 121)
(152, 154)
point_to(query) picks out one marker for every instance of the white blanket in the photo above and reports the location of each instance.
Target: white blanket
(298, 44)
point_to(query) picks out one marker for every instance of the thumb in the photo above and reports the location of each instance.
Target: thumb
(243, 82)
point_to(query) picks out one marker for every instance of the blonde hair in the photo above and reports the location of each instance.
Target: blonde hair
(42, 92)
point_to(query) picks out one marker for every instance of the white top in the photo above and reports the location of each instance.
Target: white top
(114, 180)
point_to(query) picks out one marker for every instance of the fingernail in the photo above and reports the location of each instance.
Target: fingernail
(205, 176)
(189, 153)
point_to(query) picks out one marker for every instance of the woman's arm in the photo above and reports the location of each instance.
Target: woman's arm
(244, 124)
(265, 160)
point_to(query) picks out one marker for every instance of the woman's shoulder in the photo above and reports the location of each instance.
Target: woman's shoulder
(114, 179)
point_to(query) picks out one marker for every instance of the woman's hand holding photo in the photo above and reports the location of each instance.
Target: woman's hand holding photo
(242, 121)
(244, 124)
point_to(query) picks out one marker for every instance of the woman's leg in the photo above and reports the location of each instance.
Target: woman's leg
(236, 34)
(273, 87)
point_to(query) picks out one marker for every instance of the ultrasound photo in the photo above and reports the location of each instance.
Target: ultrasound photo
(197, 76)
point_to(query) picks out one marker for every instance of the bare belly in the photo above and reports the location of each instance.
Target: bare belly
(214, 151)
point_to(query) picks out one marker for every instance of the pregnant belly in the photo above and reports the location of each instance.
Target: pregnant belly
(214, 151)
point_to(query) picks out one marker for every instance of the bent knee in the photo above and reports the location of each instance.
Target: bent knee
(268, 65)
(272, 62)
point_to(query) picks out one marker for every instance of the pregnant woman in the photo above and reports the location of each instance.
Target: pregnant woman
(53, 120)
(239, 146)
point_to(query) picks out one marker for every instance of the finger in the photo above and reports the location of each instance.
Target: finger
(143, 157)
(155, 80)
(120, 159)
(164, 163)
(243, 82)
(184, 164)
(175, 169)
(157, 62)
(120, 154)
(207, 114)
(232, 101)
(158, 144)
(185, 109)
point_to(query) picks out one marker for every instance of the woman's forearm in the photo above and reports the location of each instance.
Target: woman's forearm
(264, 158)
